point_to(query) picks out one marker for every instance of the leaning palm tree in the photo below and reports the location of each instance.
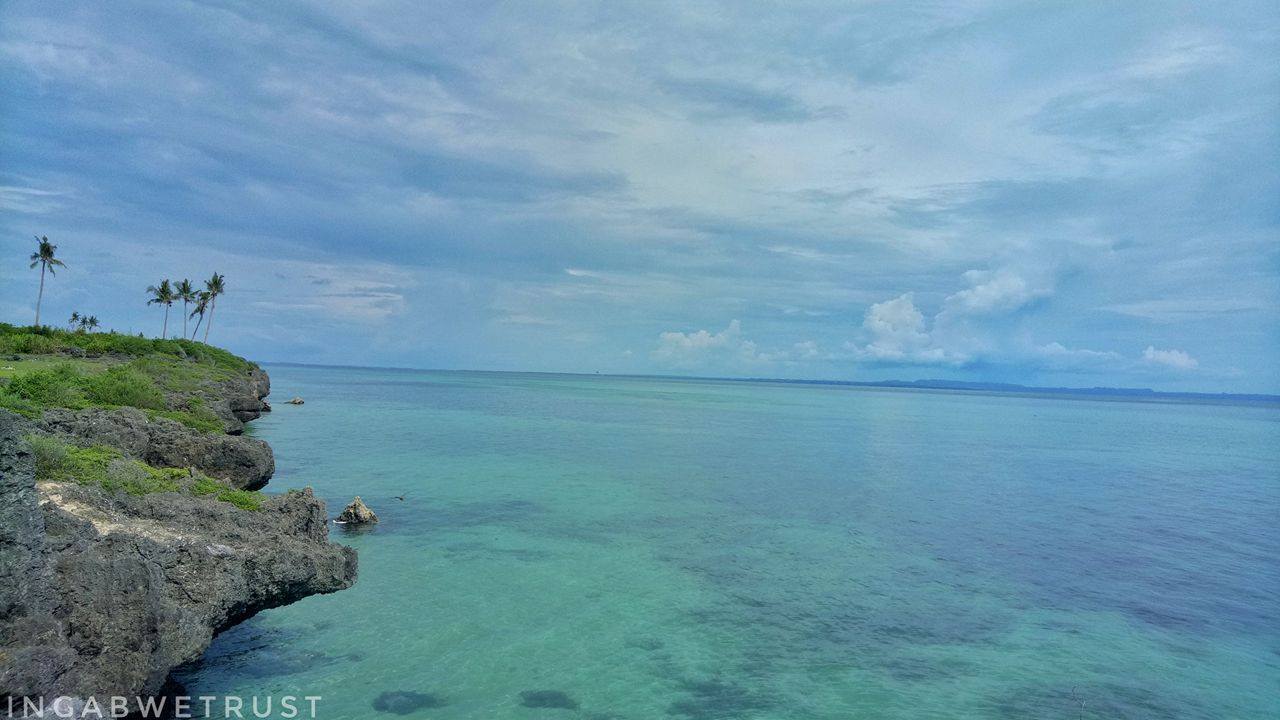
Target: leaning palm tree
(186, 292)
(214, 286)
(45, 259)
(162, 294)
(202, 304)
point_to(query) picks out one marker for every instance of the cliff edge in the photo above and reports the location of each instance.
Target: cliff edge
(128, 540)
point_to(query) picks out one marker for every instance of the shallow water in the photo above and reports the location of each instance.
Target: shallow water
(644, 548)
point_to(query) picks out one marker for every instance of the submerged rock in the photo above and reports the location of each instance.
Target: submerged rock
(403, 702)
(357, 513)
(295, 400)
(112, 591)
(555, 699)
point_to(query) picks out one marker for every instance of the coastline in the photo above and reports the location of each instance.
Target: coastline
(114, 574)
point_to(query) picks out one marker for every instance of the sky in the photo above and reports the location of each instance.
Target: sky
(1075, 194)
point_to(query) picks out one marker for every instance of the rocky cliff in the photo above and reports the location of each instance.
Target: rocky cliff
(104, 593)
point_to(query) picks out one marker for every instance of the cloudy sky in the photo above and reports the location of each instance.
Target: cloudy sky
(1079, 193)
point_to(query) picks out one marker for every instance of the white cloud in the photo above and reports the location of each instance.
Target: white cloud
(1058, 356)
(729, 350)
(703, 348)
(992, 293)
(1176, 359)
(899, 334)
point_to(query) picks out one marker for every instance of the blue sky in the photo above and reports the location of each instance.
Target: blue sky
(1055, 193)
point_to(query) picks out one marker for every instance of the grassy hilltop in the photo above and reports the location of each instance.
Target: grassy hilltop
(45, 368)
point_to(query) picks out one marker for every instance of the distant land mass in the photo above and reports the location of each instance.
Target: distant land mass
(1117, 393)
(1102, 392)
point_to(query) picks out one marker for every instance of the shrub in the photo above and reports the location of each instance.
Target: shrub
(243, 499)
(46, 340)
(50, 455)
(99, 466)
(22, 406)
(138, 478)
(58, 386)
(123, 385)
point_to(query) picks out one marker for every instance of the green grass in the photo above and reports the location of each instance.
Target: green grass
(66, 385)
(99, 466)
(162, 385)
(48, 340)
(109, 469)
(243, 499)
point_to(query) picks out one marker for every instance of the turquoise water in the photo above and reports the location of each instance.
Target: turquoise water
(657, 548)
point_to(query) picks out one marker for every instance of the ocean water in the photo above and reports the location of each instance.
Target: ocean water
(602, 547)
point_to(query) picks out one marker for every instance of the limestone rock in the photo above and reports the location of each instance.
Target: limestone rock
(245, 462)
(357, 513)
(109, 592)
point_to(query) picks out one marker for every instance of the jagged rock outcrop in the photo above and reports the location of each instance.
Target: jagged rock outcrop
(239, 400)
(245, 462)
(104, 594)
(357, 513)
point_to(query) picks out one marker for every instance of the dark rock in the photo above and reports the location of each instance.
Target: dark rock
(548, 699)
(235, 401)
(357, 513)
(104, 594)
(403, 702)
(244, 462)
(295, 400)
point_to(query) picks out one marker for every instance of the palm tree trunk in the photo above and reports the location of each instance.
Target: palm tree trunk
(40, 297)
(212, 304)
(197, 330)
(164, 332)
(184, 319)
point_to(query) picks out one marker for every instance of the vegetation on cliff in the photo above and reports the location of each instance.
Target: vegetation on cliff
(43, 368)
(47, 368)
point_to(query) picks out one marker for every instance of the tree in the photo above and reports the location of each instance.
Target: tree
(44, 257)
(214, 287)
(74, 320)
(162, 294)
(202, 304)
(91, 323)
(186, 292)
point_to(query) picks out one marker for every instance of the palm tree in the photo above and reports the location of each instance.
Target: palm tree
(74, 320)
(202, 303)
(45, 259)
(214, 287)
(186, 292)
(162, 295)
(91, 323)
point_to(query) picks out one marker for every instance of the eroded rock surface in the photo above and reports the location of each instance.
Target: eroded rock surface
(357, 513)
(104, 594)
(245, 462)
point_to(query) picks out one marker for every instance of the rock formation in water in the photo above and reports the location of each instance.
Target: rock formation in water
(357, 513)
(104, 593)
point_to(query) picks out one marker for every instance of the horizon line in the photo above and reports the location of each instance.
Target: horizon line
(1096, 392)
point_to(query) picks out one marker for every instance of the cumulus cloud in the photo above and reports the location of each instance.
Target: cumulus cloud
(995, 292)
(1176, 359)
(702, 348)
(729, 350)
(899, 334)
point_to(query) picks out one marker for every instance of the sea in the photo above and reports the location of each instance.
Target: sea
(567, 546)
